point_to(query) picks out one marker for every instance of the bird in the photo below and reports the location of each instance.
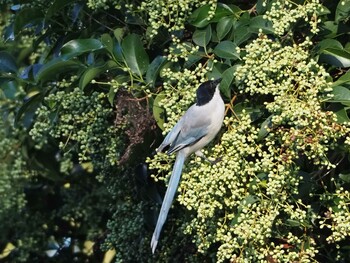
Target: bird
(194, 130)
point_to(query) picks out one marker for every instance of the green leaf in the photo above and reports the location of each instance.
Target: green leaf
(344, 79)
(53, 68)
(107, 42)
(343, 11)
(199, 18)
(118, 52)
(341, 94)
(241, 34)
(154, 69)
(265, 128)
(7, 63)
(260, 7)
(258, 22)
(329, 29)
(223, 10)
(119, 33)
(250, 199)
(77, 47)
(293, 222)
(159, 112)
(336, 56)
(192, 59)
(27, 16)
(217, 70)
(93, 72)
(227, 78)
(327, 43)
(28, 108)
(135, 55)
(342, 115)
(111, 95)
(201, 37)
(9, 89)
(57, 6)
(345, 177)
(227, 50)
(254, 112)
(224, 26)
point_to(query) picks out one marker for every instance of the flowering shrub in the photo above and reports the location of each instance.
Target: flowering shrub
(84, 88)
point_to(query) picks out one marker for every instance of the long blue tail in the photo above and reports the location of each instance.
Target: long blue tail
(169, 196)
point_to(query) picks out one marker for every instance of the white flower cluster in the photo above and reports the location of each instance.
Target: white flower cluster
(283, 14)
(238, 201)
(180, 49)
(103, 4)
(337, 218)
(297, 85)
(171, 14)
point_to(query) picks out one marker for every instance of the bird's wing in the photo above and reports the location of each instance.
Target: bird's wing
(194, 126)
(171, 136)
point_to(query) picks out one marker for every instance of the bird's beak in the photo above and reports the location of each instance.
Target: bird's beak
(217, 81)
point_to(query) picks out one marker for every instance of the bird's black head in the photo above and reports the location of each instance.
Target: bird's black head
(205, 91)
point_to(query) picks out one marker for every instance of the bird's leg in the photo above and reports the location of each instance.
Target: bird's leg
(201, 155)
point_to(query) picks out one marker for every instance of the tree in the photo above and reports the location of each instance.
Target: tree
(89, 89)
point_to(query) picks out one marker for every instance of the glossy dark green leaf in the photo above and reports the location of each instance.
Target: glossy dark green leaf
(192, 59)
(93, 72)
(154, 69)
(260, 7)
(217, 70)
(343, 11)
(241, 34)
(259, 23)
(265, 128)
(107, 42)
(327, 43)
(9, 89)
(341, 94)
(293, 222)
(227, 50)
(57, 6)
(201, 37)
(111, 95)
(199, 18)
(118, 52)
(227, 78)
(344, 79)
(250, 199)
(27, 17)
(77, 47)
(28, 108)
(242, 108)
(329, 29)
(134, 54)
(119, 33)
(345, 177)
(342, 115)
(336, 57)
(223, 10)
(159, 112)
(224, 26)
(7, 63)
(52, 69)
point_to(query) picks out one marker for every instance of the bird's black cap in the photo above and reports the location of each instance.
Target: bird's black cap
(206, 90)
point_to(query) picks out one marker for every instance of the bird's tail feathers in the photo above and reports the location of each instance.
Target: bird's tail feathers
(169, 196)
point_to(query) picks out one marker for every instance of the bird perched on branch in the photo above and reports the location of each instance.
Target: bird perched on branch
(196, 128)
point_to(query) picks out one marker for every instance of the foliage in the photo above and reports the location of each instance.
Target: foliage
(84, 85)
